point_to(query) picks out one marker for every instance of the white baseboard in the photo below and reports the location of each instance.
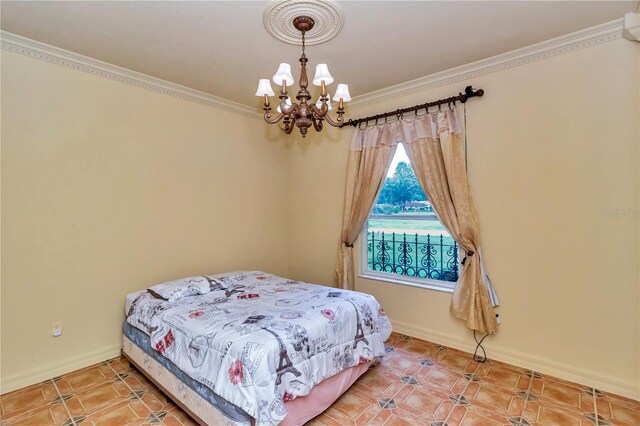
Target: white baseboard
(48, 371)
(543, 365)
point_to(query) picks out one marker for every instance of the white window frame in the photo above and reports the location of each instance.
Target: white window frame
(387, 277)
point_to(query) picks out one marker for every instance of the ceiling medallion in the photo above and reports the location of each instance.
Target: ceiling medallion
(326, 14)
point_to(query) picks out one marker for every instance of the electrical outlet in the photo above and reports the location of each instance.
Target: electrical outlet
(56, 329)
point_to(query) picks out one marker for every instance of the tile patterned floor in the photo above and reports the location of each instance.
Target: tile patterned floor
(415, 383)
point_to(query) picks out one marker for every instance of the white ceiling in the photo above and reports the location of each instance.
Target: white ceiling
(222, 47)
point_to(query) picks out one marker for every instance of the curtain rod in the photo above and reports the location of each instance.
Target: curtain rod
(469, 92)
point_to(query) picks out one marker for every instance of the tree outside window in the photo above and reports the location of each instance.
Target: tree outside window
(404, 236)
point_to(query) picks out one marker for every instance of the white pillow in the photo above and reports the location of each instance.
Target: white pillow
(175, 290)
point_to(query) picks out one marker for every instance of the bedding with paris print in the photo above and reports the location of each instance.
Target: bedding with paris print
(259, 340)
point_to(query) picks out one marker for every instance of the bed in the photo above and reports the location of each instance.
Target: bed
(249, 347)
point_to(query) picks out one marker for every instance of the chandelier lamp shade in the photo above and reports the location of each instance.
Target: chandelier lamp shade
(303, 114)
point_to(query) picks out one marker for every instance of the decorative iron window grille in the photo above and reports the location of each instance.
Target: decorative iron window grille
(432, 257)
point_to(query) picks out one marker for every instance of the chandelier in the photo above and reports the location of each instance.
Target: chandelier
(302, 114)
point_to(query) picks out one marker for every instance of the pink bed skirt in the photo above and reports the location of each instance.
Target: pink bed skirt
(303, 409)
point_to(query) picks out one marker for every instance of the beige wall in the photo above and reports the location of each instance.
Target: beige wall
(108, 188)
(552, 146)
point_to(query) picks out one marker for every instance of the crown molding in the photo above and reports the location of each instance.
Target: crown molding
(564, 44)
(35, 49)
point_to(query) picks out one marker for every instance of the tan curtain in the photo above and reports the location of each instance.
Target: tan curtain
(370, 153)
(437, 153)
(435, 146)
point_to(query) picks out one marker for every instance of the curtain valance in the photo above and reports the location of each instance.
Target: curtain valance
(406, 130)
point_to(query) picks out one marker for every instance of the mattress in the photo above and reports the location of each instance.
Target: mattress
(258, 340)
(187, 398)
(230, 411)
(211, 409)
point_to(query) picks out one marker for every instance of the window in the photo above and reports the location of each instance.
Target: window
(406, 243)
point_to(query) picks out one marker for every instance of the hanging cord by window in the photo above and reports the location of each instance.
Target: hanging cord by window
(476, 357)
